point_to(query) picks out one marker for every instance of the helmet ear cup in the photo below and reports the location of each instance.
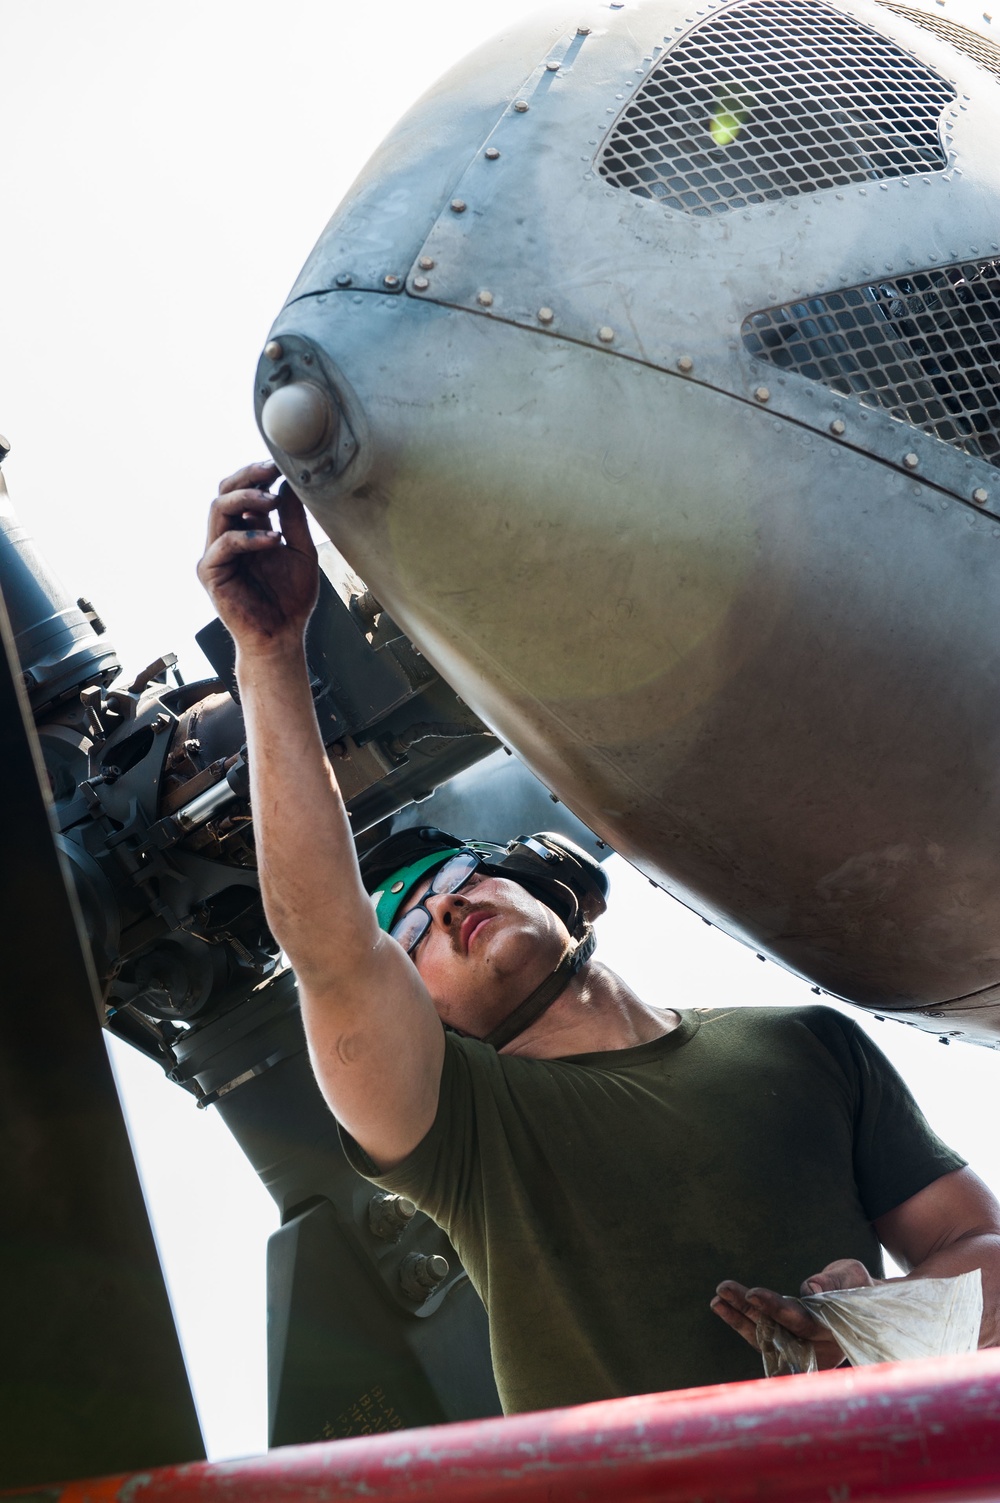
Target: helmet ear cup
(559, 873)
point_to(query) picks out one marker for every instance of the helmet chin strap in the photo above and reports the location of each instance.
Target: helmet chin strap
(542, 998)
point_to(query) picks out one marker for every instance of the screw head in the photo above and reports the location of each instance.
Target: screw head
(606, 334)
(273, 349)
(911, 461)
(485, 299)
(391, 280)
(458, 206)
(553, 67)
(685, 364)
(421, 284)
(522, 106)
(838, 427)
(762, 394)
(545, 315)
(491, 153)
(583, 31)
(426, 263)
(980, 495)
(344, 279)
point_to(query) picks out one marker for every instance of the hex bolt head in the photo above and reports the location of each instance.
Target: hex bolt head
(391, 280)
(458, 206)
(685, 364)
(389, 1216)
(420, 1273)
(762, 394)
(273, 349)
(980, 495)
(606, 334)
(344, 279)
(522, 106)
(426, 263)
(838, 427)
(421, 284)
(491, 153)
(911, 461)
(485, 299)
(545, 315)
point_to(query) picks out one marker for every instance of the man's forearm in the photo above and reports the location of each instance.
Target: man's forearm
(308, 871)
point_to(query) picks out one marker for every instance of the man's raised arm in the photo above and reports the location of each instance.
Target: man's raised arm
(375, 1041)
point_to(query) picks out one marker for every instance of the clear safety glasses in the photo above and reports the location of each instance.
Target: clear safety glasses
(411, 928)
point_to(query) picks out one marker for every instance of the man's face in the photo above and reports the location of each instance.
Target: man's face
(486, 949)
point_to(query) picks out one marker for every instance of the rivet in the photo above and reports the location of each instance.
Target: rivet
(305, 477)
(307, 359)
(762, 394)
(605, 334)
(458, 206)
(583, 31)
(838, 427)
(491, 153)
(911, 461)
(273, 349)
(685, 364)
(391, 280)
(426, 263)
(545, 315)
(980, 495)
(397, 887)
(485, 299)
(522, 106)
(343, 279)
(421, 284)
(553, 67)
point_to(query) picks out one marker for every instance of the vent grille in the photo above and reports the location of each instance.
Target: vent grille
(772, 99)
(987, 54)
(925, 347)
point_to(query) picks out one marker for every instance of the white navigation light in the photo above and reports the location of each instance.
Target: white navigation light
(297, 418)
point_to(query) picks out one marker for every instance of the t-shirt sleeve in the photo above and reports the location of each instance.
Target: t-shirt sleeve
(896, 1152)
(442, 1172)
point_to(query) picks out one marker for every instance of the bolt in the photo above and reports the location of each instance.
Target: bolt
(458, 206)
(762, 394)
(545, 315)
(389, 1216)
(583, 31)
(911, 461)
(491, 153)
(685, 364)
(838, 427)
(273, 349)
(421, 1273)
(343, 279)
(391, 280)
(605, 334)
(553, 67)
(980, 495)
(426, 263)
(522, 106)
(485, 299)
(421, 284)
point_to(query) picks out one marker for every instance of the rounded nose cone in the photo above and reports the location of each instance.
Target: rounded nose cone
(297, 418)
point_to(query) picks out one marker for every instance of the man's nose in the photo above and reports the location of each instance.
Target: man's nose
(444, 907)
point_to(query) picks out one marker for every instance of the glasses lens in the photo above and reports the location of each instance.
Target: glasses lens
(411, 928)
(455, 873)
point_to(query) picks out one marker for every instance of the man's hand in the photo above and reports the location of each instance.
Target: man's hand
(263, 583)
(742, 1308)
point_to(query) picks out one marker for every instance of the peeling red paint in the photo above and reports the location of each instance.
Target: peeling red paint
(927, 1431)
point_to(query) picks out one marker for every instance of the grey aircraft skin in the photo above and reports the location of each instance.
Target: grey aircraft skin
(647, 375)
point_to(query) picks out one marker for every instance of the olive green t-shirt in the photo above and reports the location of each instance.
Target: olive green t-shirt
(597, 1201)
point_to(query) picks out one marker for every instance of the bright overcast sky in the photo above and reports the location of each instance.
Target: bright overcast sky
(167, 170)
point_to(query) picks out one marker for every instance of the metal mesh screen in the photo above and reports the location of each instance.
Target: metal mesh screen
(925, 347)
(984, 52)
(775, 98)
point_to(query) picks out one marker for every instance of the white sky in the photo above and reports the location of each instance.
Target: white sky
(166, 172)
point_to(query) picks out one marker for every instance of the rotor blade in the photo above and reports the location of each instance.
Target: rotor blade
(93, 1379)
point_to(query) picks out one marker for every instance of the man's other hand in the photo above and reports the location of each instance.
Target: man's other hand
(742, 1308)
(262, 582)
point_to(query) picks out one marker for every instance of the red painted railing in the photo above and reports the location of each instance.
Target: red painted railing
(919, 1430)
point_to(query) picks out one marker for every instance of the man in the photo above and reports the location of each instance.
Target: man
(603, 1172)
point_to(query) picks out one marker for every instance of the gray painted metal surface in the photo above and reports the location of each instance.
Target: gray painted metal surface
(740, 622)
